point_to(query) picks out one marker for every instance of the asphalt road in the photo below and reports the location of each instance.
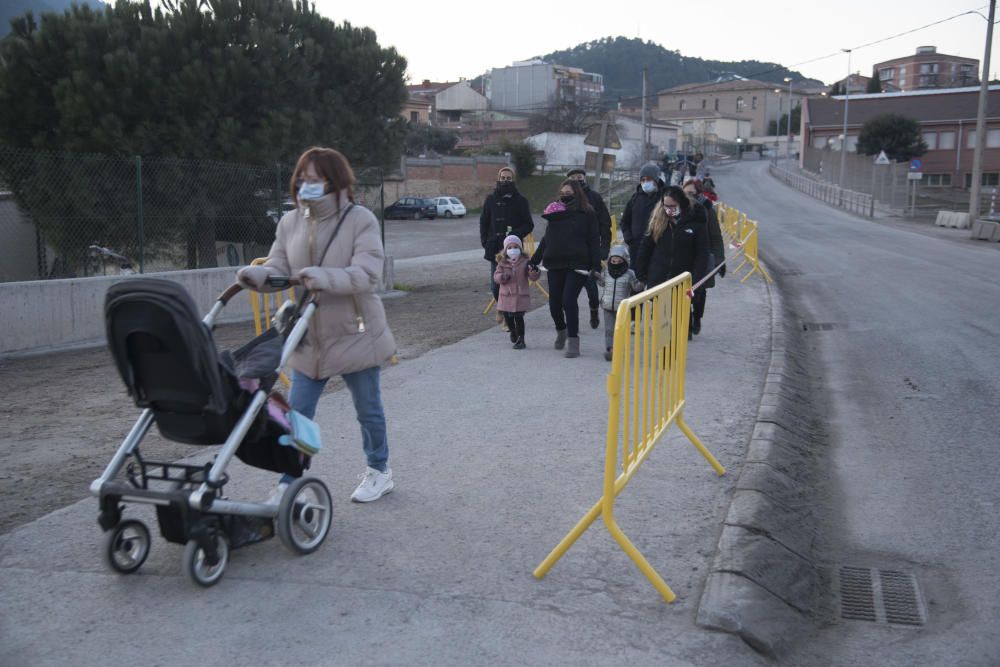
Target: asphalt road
(911, 372)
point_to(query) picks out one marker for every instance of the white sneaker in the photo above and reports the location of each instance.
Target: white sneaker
(276, 494)
(374, 484)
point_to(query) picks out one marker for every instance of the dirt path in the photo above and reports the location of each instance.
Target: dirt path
(67, 413)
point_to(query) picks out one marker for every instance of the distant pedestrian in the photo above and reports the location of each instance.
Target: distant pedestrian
(638, 210)
(618, 283)
(676, 241)
(513, 275)
(717, 251)
(570, 251)
(505, 212)
(603, 228)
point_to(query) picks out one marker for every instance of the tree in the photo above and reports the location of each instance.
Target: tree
(896, 134)
(782, 125)
(207, 80)
(522, 154)
(836, 89)
(874, 84)
(422, 138)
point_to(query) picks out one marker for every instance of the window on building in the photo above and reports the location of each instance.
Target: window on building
(991, 179)
(937, 180)
(716, 103)
(704, 103)
(739, 105)
(710, 126)
(682, 105)
(929, 68)
(970, 139)
(753, 102)
(852, 143)
(993, 138)
(414, 116)
(819, 142)
(886, 73)
(930, 138)
(946, 141)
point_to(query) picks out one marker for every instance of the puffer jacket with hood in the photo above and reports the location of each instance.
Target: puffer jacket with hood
(635, 218)
(349, 332)
(615, 289)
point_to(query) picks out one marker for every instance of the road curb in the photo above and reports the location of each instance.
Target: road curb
(763, 584)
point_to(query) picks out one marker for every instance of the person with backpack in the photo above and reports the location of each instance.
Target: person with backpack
(603, 228)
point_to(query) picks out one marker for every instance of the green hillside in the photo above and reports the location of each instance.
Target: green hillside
(621, 60)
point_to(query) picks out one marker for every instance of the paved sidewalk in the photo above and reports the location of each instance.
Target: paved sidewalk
(496, 454)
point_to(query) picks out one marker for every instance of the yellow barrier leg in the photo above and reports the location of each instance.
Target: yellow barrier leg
(700, 447)
(572, 536)
(489, 305)
(640, 561)
(752, 271)
(541, 289)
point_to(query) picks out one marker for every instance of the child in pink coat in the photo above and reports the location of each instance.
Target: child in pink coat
(513, 277)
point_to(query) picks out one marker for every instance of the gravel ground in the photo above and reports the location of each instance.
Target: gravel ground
(70, 411)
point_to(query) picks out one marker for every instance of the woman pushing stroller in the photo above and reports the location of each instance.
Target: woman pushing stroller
(334, 247)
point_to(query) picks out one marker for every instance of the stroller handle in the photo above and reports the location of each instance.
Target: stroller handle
(278, 282)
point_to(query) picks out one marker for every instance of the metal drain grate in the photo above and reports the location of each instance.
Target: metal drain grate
(818, 326)
(880, 596)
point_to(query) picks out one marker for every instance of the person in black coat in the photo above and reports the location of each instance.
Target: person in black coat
(570, 251)
(677, 241)
(505, 212)
(604, 229)
(716, 247)
(635, 219)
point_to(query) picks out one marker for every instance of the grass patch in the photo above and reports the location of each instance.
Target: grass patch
(402, 287)
(540, 190)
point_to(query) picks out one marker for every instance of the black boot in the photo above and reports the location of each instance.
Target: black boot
(595, 321)
(696, 325)
(519, 344)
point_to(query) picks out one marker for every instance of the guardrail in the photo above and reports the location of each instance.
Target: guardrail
(743, 235)
(859, 203)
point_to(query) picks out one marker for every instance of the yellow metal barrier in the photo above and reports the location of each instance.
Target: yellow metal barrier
(645, 396)
(529, 241)
(750, 253)
(260, 302)
(744, 235)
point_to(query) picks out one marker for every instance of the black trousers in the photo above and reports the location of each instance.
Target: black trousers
(698, 304)
(591, 286)
(564, 290)
(515, 322)
(494, 287)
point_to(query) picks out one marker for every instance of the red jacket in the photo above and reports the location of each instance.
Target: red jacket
(513, 279)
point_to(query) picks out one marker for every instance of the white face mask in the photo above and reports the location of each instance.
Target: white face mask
(648, 186)
(513, 253)
(311, 190)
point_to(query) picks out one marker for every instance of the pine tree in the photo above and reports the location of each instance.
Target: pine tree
(874, 84)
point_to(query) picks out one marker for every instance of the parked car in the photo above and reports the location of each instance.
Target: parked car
(412, 208)
(286, 206)
(450, 207)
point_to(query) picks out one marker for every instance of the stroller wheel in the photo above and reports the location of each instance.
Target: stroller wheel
(197, 564)
(126, 546)
(304, 515)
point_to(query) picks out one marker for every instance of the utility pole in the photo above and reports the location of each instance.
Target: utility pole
(843, 140)
(984, 91)
(645, 152)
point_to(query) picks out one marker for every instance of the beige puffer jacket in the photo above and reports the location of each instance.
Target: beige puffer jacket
(349, 332)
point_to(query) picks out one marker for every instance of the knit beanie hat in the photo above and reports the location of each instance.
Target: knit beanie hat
(649, 170)
(513, 238)
(573, 172)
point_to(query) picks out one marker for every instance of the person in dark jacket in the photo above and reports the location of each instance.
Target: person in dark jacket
(603, 228)
(505, 212)
(677, 241)
(717, 251)
(570, 251)
(635, 219)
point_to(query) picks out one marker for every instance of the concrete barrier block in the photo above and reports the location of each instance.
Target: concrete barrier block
(961, 220)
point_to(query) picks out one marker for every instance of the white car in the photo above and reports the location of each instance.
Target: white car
(449, 207)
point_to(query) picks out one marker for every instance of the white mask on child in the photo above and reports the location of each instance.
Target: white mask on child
(513, 253)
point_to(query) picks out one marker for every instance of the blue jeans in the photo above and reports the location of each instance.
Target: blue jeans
(367, 396)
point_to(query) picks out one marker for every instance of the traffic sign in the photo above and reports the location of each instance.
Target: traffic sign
(611, 139)
(914, 175)
(915, 164)
(882, 158)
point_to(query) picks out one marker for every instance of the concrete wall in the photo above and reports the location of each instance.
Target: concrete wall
(46, 315)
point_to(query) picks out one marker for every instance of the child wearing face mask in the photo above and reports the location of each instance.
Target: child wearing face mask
(617, 284)
(513, 276)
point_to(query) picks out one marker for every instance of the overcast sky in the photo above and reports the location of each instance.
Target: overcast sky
(444, 40)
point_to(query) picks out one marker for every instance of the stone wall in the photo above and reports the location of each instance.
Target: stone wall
(469, 179)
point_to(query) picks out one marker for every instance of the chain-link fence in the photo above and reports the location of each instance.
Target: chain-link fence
(890, 184)
(71, 215)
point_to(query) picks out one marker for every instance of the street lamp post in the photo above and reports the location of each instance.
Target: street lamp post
(788, 125)
(777, 126)
(847, 98)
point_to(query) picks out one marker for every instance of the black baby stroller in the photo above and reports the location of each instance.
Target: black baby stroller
(168, 360)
